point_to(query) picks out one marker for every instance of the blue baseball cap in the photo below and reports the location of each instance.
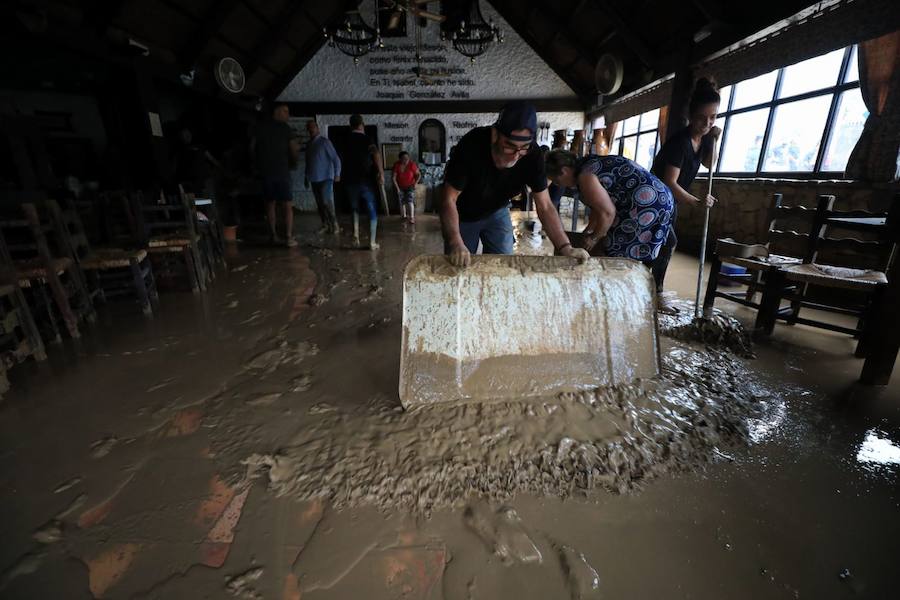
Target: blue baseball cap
(517, 115)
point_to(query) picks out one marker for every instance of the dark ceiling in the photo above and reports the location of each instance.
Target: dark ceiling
(274, 39)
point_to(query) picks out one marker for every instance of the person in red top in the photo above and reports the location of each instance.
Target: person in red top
(406, 176)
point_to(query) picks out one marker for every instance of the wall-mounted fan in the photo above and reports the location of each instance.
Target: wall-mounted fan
(230, 75)
(608, 74)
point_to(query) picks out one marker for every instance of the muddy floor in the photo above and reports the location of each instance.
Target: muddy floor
(248, 443)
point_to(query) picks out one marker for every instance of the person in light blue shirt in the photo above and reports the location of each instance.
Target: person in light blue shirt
(323, 168)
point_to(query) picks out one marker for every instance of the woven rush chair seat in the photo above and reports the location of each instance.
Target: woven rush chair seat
(111, 258)
(839, 277)
(169, 243)
(27, 270)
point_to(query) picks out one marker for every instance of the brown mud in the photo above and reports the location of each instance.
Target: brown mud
(613, 438)
(718, 329)
(247, 443)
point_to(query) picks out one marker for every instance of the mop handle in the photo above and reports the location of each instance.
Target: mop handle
(712, 167)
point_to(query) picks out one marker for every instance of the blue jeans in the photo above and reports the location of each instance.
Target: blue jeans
(362, 192)
(324, 194)
(495, 232)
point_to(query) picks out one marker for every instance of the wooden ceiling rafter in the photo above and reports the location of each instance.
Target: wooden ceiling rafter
(281, 81)
(210, 25)
(312, 46)
(626, 33)
(103, 14)
(276, 34)
(524, 30)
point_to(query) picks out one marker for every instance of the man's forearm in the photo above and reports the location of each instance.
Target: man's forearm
(550, 220)
(449, 219)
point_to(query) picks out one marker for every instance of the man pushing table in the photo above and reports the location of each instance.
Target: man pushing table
(488, 167)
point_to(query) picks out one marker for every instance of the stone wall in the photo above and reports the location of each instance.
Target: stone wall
(742, 210)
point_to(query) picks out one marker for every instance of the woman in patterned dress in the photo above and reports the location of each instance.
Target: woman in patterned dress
(631, 209)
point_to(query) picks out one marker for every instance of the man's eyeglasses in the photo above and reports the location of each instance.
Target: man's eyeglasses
(510, 148)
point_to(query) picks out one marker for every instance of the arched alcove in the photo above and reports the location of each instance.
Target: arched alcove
(432, 142)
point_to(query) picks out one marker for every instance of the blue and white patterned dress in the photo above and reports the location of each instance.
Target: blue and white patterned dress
(644, 206)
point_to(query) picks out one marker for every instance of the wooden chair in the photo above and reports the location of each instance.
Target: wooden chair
(42, 261)
(782, 247)
(840, 274)
(110, 271)
(19, 334)
(169, 225)
(209, 225)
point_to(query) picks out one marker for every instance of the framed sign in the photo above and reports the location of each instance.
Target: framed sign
(390, 154)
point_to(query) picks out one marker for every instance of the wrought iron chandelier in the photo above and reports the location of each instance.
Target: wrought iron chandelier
(354, 37)
(474, 36)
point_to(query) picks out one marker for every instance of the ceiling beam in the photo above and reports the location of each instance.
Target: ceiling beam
(210, 24)
(251, 6)
(305, 54)
(634, 43)
(525, 33)
(281, 81)
(103, 13)
(275, 35)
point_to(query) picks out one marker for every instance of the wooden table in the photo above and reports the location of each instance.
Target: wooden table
(858, 223)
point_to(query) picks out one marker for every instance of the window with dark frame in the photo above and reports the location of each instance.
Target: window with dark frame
(802, 120)
(639, 138)
(799, 120)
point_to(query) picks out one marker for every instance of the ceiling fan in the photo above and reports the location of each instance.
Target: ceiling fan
(414, 7)
(418, 72)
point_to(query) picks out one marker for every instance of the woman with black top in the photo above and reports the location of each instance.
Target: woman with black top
(677, 164)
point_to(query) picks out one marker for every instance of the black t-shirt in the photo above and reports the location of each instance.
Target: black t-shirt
(273, 149)
(678, 151)
(357, 165)
(485, 188)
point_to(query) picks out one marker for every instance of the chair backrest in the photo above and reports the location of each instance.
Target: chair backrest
(28, 236)
(791, 227)
(856, 238)
(170, 212)
(69, 230)
(121, 219)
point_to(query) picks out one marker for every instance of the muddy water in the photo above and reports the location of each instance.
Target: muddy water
(176, 460)
(436, 456)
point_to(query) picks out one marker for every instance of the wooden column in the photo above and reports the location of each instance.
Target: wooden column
(148, 105)
(682, 86)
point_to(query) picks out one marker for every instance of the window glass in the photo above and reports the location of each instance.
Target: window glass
(813, 74)
(631, 125)
(853, 67)
(650, 120)
(646, 149)
(850, 117)
(745, 135)
(724, 94)
(796, 135)
(755, 91)
(629, 147)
